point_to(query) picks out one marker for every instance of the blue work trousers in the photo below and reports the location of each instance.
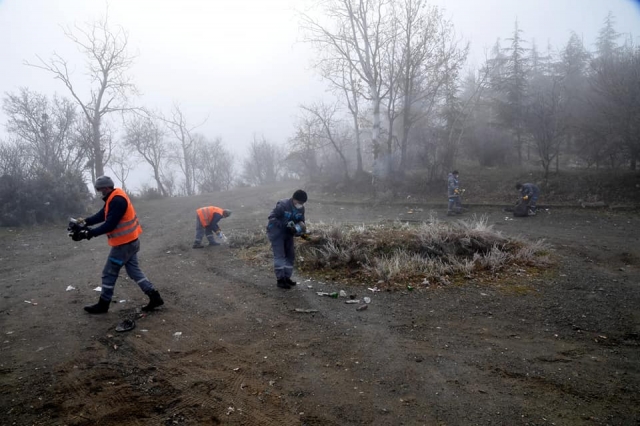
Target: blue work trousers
(283, 255)
(123, 255)
(202, 231)
(455, 206)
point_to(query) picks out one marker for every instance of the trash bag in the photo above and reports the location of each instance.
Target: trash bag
(521, 209)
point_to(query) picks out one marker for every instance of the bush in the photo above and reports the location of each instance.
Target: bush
(43, 198)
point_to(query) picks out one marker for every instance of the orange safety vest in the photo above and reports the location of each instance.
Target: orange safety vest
(128, 229)
(206, 214)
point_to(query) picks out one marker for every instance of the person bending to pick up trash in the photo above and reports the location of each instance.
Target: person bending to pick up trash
(286, 221)
(207, 219)
(122, 229)
(530, 194)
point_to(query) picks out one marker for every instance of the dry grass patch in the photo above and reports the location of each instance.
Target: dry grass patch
(400, 253)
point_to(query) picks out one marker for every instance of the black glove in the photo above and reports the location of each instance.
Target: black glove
(297, 228)
(83, 234)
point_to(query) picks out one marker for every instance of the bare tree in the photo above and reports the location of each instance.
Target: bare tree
(213, 165)
(616, 99)
(47, 129)
(545, 118)
(262, 164)
(108, 62)
(323, 118)
(147, 138)
(344, 81)
(358, 35)
(303, 154)
(184, 153)
(121, 165)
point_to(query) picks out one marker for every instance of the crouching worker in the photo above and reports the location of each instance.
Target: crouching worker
(122, 229)
(207, 219)
(530, 194)
(286, 221)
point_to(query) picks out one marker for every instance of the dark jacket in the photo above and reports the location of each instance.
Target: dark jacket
(283, 213)
(452, 184)
(117, 208)
(530, 190)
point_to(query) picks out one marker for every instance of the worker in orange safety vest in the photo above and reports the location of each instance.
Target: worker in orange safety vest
(207, 219)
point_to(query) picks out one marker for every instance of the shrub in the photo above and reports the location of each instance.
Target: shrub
(42, 198)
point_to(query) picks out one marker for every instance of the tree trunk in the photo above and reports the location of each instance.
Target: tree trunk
(97, 148)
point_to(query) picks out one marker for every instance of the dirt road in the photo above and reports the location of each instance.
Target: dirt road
(228, 347)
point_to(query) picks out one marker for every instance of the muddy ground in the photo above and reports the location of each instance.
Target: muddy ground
(561, 348)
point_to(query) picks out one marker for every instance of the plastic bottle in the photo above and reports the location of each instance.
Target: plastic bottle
(334, 295)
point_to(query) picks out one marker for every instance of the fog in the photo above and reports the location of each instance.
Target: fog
(242, 68)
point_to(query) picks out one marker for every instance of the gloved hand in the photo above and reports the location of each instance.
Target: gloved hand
(221, 235)
(296, 228)
(81, 221)
(526, 197)
(84, 234)
(456, 191)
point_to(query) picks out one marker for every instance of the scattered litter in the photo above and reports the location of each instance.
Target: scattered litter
(9, 332)
(70, 288)
(508, 218)
(272, 382)
(305, 311)
(31, 303)
(97, 289)
(362, 307)
(425, 282)
(230, 410)
(169, 252)
(483, 294)
(177, 334)
(367, 300)
(122, 301)
(343, 293)
(309, 286)
(332, 295)
(236, 369)
(349, 302)
(373, 289)
(126, 325)
(409, 287)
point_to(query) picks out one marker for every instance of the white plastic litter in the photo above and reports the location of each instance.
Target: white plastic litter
(367, 300)
(70, 288)
(97, 289)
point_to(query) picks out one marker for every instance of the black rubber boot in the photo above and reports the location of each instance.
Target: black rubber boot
(102, 307)
(288, 281)
(282, 283)
(154, 301)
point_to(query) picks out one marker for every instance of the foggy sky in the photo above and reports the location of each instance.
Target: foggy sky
(240, 63)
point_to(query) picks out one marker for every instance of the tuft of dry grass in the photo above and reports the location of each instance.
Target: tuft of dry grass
(399, 252)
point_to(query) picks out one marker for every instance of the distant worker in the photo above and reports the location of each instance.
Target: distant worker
(207, 219)
(530, 194)
(122, 229)
(286, 221)
(454, 192)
